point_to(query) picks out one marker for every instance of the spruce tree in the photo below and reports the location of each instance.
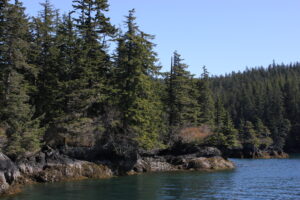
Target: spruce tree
(65, 63)
(205, 100)
(266, 97)
(220, 114)
(139, 102)
(92, 60)
(230, 132)
(248, 135)
(83, 64)
(263, 134)
(44, 55)
(182, 101)
(16, 113)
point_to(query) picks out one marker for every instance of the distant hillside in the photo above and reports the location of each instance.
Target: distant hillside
(269, 97)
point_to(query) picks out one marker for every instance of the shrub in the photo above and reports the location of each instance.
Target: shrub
(194, 134)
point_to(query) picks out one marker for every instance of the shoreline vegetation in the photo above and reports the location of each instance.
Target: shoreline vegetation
(70, 109)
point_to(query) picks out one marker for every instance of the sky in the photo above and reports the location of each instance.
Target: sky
(223, 35)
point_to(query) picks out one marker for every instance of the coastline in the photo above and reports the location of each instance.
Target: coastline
(51, 166)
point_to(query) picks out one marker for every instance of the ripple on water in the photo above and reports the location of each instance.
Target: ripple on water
(252, 180)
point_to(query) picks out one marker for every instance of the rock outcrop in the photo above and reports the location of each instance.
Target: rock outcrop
(46, 166)
(151, 164)
(160, 164)
(9, 174)
(200, 159)
(51, 165)
(212, 163)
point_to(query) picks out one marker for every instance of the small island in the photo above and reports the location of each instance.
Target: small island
(81, 98)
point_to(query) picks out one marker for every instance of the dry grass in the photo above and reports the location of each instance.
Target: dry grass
(194, 134)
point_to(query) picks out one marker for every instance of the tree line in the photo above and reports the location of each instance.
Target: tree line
(264, 104)
(60, 86)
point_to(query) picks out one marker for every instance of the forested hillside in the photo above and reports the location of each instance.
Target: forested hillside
(60, 86)
(264, 104)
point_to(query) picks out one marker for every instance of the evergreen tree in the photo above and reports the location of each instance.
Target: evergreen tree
(266, 97)
(16, 112)
(220, 114)
(182, 101)
(66, 63)
(44, 55)
(248, 135)
(230, 132)
(92, 60)
(139, 101)
(263, 134)
(60, 68)
(94, 28)
(83, 64)
(205, 100)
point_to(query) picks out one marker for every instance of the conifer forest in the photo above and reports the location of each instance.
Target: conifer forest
(77, 80)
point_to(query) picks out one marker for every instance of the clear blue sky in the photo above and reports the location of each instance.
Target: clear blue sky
(224, 35)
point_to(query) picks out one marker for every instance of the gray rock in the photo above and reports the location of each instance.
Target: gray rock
(209, 152)
(186, 162)
(9, 173)
(149, 164)
(51, 166)
(212, 163)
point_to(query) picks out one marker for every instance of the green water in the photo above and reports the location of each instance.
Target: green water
(253, 179)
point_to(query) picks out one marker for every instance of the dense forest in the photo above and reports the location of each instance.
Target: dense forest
(60, 86)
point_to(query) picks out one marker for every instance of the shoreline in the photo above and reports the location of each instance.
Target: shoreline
(50, 166)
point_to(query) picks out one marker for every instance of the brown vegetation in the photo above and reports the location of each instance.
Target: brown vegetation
(194, 134)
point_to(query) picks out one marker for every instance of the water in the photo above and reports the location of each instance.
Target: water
(253, 179)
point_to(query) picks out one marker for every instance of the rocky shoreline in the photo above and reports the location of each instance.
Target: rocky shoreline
(256, 154)
(73, 163)
(46, 167)
(50, 165)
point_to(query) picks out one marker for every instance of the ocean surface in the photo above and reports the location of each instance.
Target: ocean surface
(251, 180)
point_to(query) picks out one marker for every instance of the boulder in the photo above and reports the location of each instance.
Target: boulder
(51, 166)
(209, 152)
(149, 164)
(9, 174)
(185, 162)
(213, 163)
(72, 171)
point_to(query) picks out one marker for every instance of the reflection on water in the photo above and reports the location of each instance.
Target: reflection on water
(253, 179)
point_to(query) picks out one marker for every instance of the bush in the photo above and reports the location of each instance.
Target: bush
(194, 134)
